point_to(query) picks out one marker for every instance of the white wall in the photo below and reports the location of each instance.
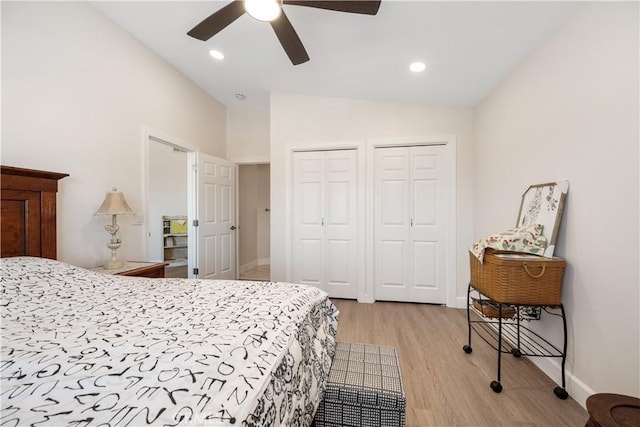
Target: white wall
(570, 111)
(253, 198)
(76, 93)
(167, 192)
(247, 134)
(247, 214)
(263, 227)
(319, 122)
(248, 143)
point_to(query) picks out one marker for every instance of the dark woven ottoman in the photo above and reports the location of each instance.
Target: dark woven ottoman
(364, 388)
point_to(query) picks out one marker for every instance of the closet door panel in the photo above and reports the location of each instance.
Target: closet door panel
(392, 257)
(308, 189)
(338, 265)
(324, 221)
(338, 203)
(393, 204)
(340, 216)
(425, 199)
(310, 251)
(425, 266)
(409, 254)
(392, 188)
(429, 224)
(392, 219)
(311, 203)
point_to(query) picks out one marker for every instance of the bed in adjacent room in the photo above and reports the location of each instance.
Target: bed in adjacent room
(82, 348)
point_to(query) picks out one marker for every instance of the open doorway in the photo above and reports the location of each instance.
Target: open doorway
(190, 210)
(168, 206)
(254, 220)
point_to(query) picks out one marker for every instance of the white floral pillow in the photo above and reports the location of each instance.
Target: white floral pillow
(527, 239)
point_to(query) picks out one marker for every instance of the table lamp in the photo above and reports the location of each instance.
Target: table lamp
(114, 204)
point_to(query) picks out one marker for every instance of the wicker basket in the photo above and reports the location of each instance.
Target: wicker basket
(520, 280)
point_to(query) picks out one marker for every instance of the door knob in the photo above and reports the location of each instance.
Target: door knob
(233, 227)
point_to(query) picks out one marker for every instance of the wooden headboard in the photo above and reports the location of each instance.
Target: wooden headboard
(28, 212)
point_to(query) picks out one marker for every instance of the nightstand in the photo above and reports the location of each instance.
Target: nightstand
(153, 270)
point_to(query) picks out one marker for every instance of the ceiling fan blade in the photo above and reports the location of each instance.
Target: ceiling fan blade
(357, 6)
(218, 21)
(289, 39)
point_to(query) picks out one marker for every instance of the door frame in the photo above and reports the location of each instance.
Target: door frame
(360, 147)
(449, 141)
(149, 135)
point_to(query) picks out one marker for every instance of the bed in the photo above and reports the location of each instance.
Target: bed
(82, 348)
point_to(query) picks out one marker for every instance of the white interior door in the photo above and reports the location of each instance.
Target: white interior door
(216, 215)
(324, 221)
(410, 224)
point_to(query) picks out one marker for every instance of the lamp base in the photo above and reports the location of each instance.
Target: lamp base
(114, 264)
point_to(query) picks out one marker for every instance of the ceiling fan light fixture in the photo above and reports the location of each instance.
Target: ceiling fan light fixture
(271, 10)
(263, 10)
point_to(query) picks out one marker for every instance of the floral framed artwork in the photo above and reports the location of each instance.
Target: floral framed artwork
(544, 204)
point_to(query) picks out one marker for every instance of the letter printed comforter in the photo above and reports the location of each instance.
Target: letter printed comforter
(81, 348)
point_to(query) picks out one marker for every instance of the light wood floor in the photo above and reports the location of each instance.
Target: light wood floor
(177, 272)
(444, 386)
(261, 272)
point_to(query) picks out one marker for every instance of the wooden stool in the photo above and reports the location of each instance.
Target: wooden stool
(613, 410)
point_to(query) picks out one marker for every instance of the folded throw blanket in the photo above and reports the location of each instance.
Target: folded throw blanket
(527, 239)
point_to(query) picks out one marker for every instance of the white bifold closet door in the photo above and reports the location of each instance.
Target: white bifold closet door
(410, 224)
(324, 221)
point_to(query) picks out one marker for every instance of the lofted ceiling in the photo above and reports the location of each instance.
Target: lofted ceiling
(468, 48)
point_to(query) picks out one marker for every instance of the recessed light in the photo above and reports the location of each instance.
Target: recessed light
(216, 54)
(417, 67)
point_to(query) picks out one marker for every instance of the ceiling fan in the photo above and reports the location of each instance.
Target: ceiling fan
(285, 32)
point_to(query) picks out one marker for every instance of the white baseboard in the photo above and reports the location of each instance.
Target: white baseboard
(461, 302)
(248, 266)
(264, 261)
(577, 390)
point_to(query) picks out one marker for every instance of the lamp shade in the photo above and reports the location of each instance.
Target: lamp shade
(114, 204)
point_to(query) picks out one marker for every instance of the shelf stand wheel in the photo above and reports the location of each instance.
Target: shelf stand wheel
(561, 393)
(516, 352)
(496, 386)
(467, 348)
